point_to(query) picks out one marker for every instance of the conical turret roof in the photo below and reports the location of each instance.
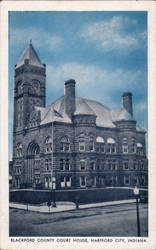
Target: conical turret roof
(30, 54)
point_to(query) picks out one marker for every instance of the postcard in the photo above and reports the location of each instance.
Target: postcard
(78, 124)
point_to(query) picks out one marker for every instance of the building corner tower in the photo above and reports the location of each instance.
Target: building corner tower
(29, 87)
(29, 92)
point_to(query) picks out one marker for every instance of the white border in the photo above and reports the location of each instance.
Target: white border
(6, 6)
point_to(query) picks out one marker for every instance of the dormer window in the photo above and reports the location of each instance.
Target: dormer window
(139, 148)
(111, 148)
(100, 145)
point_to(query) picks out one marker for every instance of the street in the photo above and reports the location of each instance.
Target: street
(116, 220)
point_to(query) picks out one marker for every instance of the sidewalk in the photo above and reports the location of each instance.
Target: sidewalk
(65, 206)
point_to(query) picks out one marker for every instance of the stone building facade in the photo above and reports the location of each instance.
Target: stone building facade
(73, 142)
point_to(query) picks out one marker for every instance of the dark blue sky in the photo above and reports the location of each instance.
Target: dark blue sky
(104, 51)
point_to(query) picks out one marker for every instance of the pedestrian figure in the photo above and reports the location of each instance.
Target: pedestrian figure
(77, 202)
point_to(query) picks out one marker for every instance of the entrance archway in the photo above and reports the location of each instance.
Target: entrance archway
(33, 163)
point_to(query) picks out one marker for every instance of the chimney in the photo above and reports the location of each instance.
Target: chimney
(70, 97)
(127, 102)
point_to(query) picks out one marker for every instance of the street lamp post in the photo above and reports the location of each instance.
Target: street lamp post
(53, 188)
(136, 193)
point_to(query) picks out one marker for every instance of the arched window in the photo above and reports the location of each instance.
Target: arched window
(111, 148)
(82, 142)
(65, 144)
(19, 150)
(48, 145)
(124, 146)
(139, 148)
(100, 145)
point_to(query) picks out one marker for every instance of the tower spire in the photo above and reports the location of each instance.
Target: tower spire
(31, 55)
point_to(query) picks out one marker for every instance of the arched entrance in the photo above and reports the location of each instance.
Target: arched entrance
(33, 164)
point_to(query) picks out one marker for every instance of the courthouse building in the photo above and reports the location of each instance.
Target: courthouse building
(73, 142)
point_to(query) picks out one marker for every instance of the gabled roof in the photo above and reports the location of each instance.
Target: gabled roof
(31, 55)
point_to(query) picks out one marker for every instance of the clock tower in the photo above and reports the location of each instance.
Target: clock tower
(29, 91)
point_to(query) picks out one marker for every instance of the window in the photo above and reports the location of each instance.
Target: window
(93, 181)
(81, 146)
(62, 181)
(125, 165)
(48, 182)
(61, 164)
(82, 164)
(135, 166)
(67, 164)
(139, 149)
(83, 181)
(127, 180)
(102, 165)
(37, 179)
(91, 145)
(98, 164)
(133, 146)
(65, 181)
(124, 146)
(92, 165)
(82, 142)
(142, 180)
(100, 146)
(111, 165)
(64, 164)
(48, 164)
(135, 180)
(141, 165)
(111, 149)
(114, 165)
(48, 145)
(19, 150)
(68, 181)
(65, 144)
(113, 180)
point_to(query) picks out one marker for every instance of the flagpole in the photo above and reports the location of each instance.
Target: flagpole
(52, 166)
